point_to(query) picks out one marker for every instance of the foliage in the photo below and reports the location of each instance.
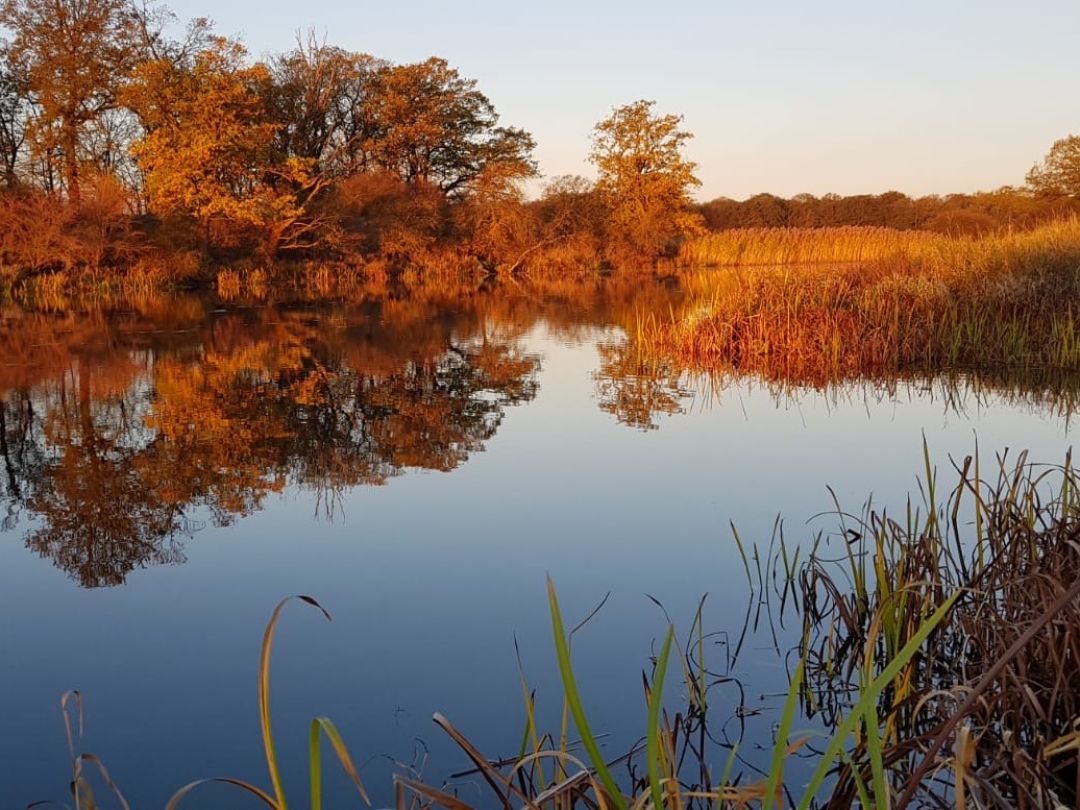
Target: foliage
(644, 179)
(1059, 172)
(318, 95)
(208, 146)
(74, 56)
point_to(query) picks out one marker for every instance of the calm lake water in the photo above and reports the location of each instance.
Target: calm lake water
(418, 463)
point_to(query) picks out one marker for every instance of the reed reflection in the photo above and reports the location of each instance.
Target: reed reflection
(639, 386)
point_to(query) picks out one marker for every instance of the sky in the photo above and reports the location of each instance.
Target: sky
(782, 97)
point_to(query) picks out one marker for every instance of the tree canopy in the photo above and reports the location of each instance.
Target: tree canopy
(644, 177)
(1059, 172)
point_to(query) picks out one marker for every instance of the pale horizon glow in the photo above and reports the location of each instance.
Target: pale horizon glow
(783, 97)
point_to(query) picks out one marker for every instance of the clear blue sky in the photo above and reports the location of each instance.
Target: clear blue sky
(785, 97)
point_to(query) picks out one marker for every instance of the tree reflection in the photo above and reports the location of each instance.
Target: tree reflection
(635, 390)
(114, 456)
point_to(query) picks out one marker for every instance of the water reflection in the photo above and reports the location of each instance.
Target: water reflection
(117, 449)
(639, 388)
(124, 432)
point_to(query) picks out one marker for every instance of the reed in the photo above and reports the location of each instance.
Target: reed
(757, 246)
(924, 250)
(936, 303)
(992, 695)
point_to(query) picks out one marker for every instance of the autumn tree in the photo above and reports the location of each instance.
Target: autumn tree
(571, 220)
(209, 147)
(14, 117)
(432, 126)
(499, 228)
(319, 95)
(1059, 172)
(75, 55)
(645, 180)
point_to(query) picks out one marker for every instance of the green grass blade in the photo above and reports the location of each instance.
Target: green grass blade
(573, 699)
(877, 764)
(725, 777)
(315, 765)
(326, 725)
(860, 786)
(652, 734)
(870, 696)
(742, 555)
(264, 695)
(776, 768)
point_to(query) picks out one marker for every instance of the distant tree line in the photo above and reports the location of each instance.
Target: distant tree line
(954, 213)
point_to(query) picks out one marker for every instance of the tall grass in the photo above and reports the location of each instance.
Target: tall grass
(754, 246)
(939, 303)
(853, 244)
(994, 695)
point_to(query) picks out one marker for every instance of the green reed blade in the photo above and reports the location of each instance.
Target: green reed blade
(725, 777)
(652, 733)
(573, 699)
(877, 763)
(780, 749)
(870, 695)
(327, 727)
(264, 695)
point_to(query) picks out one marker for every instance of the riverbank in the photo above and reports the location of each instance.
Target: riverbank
(824, 268)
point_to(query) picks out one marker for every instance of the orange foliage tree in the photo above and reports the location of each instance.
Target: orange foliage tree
(645, 180)
(208, 148)
(74, 56)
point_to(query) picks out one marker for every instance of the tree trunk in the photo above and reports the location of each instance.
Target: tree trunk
(9, 467)
(71, 162)
(204, 237)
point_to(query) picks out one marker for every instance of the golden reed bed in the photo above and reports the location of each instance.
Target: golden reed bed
(775, 246)
(817, 304)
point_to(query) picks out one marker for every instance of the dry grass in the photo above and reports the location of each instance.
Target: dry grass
(987, 714)
(923, 249)
(754, 246)
(946, 303)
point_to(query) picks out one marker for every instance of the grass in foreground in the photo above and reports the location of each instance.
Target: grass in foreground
(987, 714)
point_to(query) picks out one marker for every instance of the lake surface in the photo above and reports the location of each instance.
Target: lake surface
(419, 463)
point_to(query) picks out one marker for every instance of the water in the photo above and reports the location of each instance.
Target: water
(419, 464)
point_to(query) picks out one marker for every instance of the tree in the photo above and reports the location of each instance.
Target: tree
(1059, 173)
(74, 55)
(14, 116)
(432, 126)
(209, 147)
(318, 95)
(644, 179)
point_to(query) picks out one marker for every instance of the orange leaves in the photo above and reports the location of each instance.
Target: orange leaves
(645, 180)
(208, 149)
